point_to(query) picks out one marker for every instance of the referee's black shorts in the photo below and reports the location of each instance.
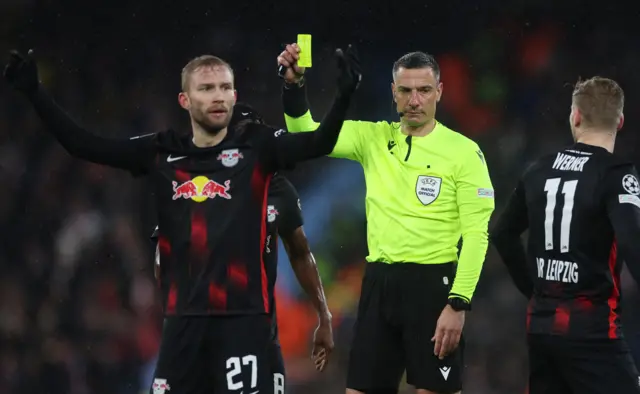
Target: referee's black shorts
(559, 365)
(399, 308)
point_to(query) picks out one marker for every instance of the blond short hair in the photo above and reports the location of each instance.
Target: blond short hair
(199, 62)
(600, 101)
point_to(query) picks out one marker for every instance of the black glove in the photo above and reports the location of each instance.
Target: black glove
(22, 72)
(349, 69)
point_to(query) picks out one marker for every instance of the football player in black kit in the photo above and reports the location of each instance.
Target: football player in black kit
(284, 219)
(582, 209)
(211, 189)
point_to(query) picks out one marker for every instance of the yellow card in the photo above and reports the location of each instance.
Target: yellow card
(304, 42)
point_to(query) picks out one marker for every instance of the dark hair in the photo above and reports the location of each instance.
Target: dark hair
(600, 101)
(413, 60)
(198, 62)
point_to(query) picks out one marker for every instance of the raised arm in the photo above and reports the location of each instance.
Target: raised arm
(286, 149)
(134, 154)
(297, 114)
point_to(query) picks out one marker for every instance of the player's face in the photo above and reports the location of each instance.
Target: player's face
(416, 93)
(210, 97)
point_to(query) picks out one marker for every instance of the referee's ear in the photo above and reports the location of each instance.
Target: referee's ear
(439, 89)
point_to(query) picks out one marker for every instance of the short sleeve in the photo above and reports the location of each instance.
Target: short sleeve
(291, 215)
(273, 153)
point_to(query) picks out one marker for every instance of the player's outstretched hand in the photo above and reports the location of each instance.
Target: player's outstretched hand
(448, 332)
(349, 69)
(22, 72)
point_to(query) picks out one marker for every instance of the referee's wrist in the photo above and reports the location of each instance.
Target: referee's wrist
(294, 85)
(458, 302)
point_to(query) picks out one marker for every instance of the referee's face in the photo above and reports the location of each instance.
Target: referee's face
(416, 92)
(210, 97)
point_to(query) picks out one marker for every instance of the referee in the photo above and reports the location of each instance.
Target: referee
(427, 186)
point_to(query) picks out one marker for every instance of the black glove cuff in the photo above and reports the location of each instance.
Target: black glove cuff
(458, 303)
(294, 100)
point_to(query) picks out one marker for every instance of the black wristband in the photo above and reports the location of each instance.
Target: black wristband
(459, 304)
(298, 84)
(294, 100)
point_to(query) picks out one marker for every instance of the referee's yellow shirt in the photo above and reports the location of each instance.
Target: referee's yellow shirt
(423, 194)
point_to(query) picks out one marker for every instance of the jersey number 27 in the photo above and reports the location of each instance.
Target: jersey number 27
(552, 186)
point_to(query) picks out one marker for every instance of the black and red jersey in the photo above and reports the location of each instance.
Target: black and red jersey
(212, 203)
(582, 209)
(283, 217)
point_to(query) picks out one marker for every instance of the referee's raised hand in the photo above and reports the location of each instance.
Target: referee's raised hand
(448, 332)
(349, 69)
(288, 59)
(22, 72)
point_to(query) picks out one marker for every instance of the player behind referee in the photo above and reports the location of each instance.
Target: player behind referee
(427, 186)
(581, 205)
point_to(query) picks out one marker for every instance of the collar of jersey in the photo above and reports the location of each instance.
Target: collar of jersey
(587, 147)
(400, 136)
(182, 143)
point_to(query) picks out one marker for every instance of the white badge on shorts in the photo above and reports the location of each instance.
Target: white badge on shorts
(428, 188)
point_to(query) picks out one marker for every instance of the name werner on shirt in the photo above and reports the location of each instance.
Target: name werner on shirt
(565, 162)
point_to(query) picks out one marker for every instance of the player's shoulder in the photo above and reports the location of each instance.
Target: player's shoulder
(578, 158)
(259, 131)
(613, 161)
(619, 170)
(281, 187)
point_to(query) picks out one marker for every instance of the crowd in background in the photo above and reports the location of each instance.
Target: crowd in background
(79, 309)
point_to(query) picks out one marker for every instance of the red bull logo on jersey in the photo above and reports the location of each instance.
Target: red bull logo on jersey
(272, 212)
(200, 189)
(160, 386)
(230, 157)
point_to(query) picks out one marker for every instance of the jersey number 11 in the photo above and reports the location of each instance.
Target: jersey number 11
(552, 186)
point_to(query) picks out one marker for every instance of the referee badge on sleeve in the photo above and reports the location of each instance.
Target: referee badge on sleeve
(428, 188)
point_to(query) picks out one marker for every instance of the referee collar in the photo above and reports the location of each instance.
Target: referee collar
(417, 139)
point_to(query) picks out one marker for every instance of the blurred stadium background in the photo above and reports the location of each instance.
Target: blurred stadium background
(78, 306)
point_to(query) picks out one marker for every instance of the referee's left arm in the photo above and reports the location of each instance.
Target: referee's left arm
(475, 206)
